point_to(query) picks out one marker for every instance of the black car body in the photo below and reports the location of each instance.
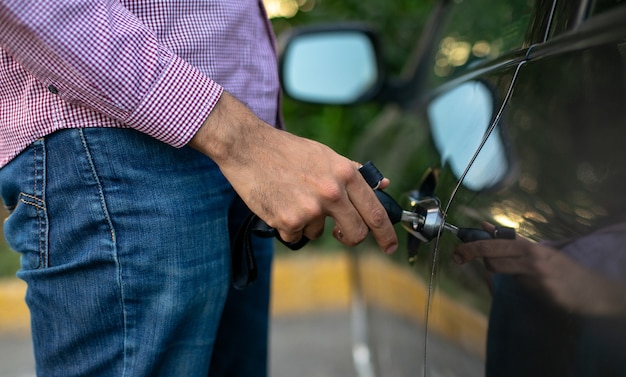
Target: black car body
(516, 118)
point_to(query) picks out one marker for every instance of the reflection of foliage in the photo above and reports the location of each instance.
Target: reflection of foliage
(478, 30)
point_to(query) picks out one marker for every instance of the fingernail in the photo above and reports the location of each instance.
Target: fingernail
(392, 249)
(457, 259)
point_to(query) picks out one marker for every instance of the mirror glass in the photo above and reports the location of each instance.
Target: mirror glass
(459, 120)
(337, 67)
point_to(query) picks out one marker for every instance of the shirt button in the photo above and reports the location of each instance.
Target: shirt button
(53, 89)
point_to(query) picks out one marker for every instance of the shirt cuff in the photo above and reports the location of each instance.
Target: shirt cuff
(177, 105)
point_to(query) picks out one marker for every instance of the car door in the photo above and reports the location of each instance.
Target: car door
(419, 313)
(531, 139)
(512, 113)
(563, 315)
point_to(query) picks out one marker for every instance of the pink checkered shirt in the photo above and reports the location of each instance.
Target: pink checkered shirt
(156, 66)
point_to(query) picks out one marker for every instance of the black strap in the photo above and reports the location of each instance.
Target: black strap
(243, 263)
(244, 268)
(261, 229)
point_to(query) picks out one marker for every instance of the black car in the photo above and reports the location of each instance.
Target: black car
(516, 118)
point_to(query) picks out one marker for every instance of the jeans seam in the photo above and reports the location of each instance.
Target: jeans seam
(41, 225)
(34, 201)
(98, 181)
(39, 174)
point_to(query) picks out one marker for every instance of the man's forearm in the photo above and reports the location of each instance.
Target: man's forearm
(290, 182)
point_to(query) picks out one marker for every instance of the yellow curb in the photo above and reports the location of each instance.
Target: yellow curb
(301, 283)
(311, 281)
(14, 316)
(399, 290)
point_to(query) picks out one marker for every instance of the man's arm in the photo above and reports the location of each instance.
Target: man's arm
(100, 56)
(290, 182)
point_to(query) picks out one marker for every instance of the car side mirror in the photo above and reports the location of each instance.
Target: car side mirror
(336, 64)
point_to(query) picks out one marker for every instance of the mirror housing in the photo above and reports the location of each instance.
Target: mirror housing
(331, 64)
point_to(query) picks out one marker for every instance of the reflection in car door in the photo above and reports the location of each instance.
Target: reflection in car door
(436, 324)
(564, 123)
(557, 308)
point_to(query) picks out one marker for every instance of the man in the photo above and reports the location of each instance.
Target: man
(109, 110)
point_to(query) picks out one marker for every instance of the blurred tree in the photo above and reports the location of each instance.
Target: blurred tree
(398, 24)
(9, 261)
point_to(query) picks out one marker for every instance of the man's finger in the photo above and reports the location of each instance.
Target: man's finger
(374, 216)
(488, 249)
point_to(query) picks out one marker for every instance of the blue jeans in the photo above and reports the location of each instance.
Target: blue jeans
(124, 245)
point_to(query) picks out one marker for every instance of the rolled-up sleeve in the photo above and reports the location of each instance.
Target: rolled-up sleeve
(98, 55)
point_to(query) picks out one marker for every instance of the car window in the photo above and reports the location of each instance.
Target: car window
(475, 31)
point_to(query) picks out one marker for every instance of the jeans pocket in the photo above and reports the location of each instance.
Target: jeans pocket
(26, 231)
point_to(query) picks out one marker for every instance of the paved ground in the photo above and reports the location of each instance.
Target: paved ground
(311, 345)
(310, 333)
(16, 359)
(311, 329)
(307, 345)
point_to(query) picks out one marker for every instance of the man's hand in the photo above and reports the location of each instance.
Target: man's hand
(549, 272)
(290, 182)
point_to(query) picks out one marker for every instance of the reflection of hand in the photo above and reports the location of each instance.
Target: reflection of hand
(290, 182)
(561, 279)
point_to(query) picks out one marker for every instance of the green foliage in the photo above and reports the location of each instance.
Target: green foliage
(358, 132)
(9, 260)
(398, 24)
